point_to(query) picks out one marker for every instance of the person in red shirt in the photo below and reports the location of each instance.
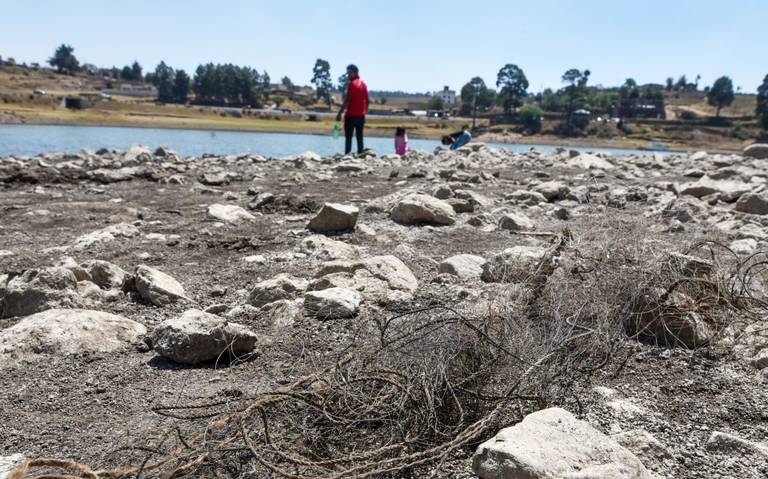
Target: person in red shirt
(356, 106)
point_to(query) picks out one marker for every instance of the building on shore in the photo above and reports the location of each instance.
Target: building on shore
(448, 96)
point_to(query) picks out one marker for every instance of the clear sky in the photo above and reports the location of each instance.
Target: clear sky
(412, 45)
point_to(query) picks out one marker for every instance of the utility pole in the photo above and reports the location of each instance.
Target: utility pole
(474, 106)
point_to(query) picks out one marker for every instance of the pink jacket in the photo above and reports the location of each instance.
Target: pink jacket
(401, 144)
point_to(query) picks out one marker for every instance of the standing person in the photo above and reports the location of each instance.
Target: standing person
(457, 139)
(401, 141)
(355, 105)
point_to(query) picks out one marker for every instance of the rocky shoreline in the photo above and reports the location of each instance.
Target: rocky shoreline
(136, 279)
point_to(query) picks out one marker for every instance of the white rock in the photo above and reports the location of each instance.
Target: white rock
(110, 233)
(588, 161)
(745, 246)
(282, 286)
(157, 287)
(196, 336)
(105, 274)
(515, 222)
(256, 258)
(551, 444)
(757, 150)
(327, 249)
(37, 290)
(728, 443)
(69, 331)
(465, 266)
(229, 213)
(9, 463)
(332, 303)
(418, 209)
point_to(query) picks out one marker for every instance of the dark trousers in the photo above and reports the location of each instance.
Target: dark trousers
(353, 123)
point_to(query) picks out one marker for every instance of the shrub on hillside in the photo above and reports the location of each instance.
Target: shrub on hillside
(530, 117)
(688, 115)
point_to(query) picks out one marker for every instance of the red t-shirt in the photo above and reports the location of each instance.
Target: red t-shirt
(357, 93)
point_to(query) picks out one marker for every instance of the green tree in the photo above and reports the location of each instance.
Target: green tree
(530, 117)
(721, 94)
(436, 103)
(476, 95)
(287, 83)
(180, 86)
(629, 89)
(513, 86)
(279, 100)
(126, 73)
(670, 83)
(343, 82)
(762, 103)
(551, 101)
(682, 83)
(64, 60)
(321, 78)
(136, 73)
(164, 76)
(576, 90)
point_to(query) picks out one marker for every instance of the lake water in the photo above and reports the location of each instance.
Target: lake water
(29, 140)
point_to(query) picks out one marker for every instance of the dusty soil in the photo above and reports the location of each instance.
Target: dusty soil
(87, 407)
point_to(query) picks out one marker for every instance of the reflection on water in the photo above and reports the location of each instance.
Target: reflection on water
(34, 139)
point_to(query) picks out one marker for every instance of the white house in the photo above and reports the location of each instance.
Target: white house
(448, 96)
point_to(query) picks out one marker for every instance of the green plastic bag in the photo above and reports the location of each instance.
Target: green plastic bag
(336, 131)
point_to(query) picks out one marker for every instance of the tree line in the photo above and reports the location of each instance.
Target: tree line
(238, 85)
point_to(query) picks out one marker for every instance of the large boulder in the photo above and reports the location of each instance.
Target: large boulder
(37, 290)
(378, 278)
(551, 444)
(334, 217)
(752, 203)
(157, 287)
(69, 331)
(417, 209)
(332, 303)
(196, 336)
(465, 266)
(282, 286)
(757, 150)
(229, 213)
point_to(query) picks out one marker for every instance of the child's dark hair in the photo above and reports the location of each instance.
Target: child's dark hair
(400, 131)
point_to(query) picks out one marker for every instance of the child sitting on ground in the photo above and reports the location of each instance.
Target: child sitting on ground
(401, 141)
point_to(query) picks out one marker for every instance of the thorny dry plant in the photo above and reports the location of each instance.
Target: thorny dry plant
(418, 387)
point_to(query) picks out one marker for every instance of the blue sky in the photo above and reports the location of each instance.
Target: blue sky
(408, 45)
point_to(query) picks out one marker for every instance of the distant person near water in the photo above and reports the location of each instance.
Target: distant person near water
(457, 139)
(401, 141)
(355, 105)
